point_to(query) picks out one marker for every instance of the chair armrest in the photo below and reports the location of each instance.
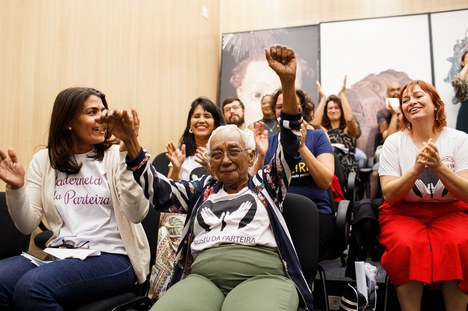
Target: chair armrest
(351, 186)
(343, 223)
(138, 303)
(41, 238)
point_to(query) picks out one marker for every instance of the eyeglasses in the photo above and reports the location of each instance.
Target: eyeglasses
(235, 107)
(233, 154)
(71, 244)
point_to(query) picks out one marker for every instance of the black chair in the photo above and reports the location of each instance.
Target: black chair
(150, 225)
(40, 240)
(347, 183)
(301, 216)
(13, 241)
(161, 163)
(341, 239)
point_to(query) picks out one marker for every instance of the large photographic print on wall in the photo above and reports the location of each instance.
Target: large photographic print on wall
(373, 53)
(449, 42)
(245, 73)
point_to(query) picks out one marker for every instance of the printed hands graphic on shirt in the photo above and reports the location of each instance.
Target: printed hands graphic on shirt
(226, 217)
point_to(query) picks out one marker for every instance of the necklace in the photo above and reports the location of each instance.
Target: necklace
(269, 127)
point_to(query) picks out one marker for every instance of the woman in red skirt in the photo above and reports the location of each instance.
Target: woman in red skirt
(424, 220)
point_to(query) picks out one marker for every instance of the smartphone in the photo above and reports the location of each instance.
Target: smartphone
(393, 102)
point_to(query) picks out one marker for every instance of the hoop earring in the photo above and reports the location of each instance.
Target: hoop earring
(435, 113)
(190, 131)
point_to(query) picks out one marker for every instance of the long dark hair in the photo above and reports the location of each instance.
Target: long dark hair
(188, 138)
(67, 107)
(326, 123)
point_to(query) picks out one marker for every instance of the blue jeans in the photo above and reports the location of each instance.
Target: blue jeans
(62, 283)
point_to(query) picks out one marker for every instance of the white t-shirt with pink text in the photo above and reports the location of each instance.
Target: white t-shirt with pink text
(84, 202)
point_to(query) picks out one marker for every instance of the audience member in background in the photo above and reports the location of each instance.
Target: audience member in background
(89, 199)
(374, 176)
(335, 115)
(460, 84)
(386, 119)
(313, 171)
(187, 161)
(233, 111)
(235, 252)
(303, 100)
(269, 117)
(424, 219)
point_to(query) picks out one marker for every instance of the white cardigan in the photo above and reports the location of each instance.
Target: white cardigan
(27, 204)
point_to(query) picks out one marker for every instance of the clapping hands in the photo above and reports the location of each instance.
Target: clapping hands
(428, 155)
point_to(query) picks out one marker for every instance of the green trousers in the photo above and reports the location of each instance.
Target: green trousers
(233, 278)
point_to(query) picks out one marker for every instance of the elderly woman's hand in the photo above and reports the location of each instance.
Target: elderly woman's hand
(125, 126)
(283, 61)
(122, 124)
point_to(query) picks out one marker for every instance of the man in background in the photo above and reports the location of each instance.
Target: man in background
(387, 118)
(234, 113)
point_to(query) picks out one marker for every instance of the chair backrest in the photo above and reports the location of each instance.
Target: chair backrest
(161, 163)
(301, 216)
(150, 225)
(13, 241)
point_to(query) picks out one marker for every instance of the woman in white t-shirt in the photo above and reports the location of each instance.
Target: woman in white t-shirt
(89, 199)
(187, 161)
(424, 220)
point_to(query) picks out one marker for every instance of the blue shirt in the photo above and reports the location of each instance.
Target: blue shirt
(301, 181)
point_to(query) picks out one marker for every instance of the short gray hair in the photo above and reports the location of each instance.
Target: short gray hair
(249, 143)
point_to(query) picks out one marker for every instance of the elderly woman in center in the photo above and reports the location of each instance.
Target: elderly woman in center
(235, 252)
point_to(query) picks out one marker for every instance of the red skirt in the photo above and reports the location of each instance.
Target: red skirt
(426, 242)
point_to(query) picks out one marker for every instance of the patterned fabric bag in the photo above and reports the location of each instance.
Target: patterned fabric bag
(169, 234)
(344, 147)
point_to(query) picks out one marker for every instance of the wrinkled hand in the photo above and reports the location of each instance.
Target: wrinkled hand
(122, 124)
(429, 155)
(200, 159)
(261, 138)
(176, 156)
(11, 170)
(283, 61)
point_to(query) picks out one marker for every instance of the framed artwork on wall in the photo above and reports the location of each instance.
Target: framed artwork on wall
(245, 73)
(373, 53)
(449, 42)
